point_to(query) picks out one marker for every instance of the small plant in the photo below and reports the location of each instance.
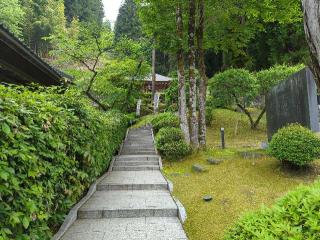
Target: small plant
(165, 120)
(295, 144)
(171, 144)
(295, 216)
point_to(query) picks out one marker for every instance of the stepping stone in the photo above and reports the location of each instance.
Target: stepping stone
(146, 228)
(128, 204)
(198, 168)
(141, 180)
(214, 161)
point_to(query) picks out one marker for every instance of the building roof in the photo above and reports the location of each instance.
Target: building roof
(20, 65)
(159, 78)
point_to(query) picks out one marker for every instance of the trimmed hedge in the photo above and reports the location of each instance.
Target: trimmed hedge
(171, 144)
(295, 144)
(165, 120)
(52, 147)
(295, 216)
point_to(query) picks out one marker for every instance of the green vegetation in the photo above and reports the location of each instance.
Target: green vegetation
(296, 145)
(295, 216)
(165, 120)
(48, 156)
(239, 184)
(170, 143)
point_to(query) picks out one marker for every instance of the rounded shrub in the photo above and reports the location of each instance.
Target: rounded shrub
(171, 144)
(165, 120)
(295, 216)
(295, 144)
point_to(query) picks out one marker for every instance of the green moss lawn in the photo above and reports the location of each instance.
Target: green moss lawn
(237, 185)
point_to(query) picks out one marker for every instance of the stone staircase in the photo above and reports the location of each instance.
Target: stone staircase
(133, 201)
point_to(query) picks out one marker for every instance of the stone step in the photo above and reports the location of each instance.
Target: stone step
(138, 163)
(138, 153)
(160, 228)
(133, 180)
(127, 204)
(132, 187)
(136, 158)
(135, 168)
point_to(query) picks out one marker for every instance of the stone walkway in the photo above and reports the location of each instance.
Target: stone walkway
(133, 201)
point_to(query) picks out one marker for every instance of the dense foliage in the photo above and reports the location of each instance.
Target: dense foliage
(128, 23)
(84, 10)
(295, 144)
(52, 147)
(234, 86)
(11, 14)
(170, 143)
(165, 120)
(295, 216)
(271, 77)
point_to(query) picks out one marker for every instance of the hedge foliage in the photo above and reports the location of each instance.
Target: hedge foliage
(171, 144)
(296, 216)
(165, 120)
(52, 147)
(295, 144)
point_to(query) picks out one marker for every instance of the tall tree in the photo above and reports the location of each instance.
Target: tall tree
(203, 76)
(12, 15)
(128, 23)
(84, 10)
(194, 126)
(181, 76)
(311, 10)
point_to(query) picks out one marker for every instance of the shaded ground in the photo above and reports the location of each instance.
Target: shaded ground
(237, 185)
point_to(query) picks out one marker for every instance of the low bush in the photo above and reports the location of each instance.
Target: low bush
(165, 120)
(295, 216)
(171, 144)
(295, 144)
(52, 147)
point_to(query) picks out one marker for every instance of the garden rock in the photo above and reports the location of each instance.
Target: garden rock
(198, 168)
(212, 161)
(207, 198)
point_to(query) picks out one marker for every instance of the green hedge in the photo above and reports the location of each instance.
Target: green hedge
(166, 119)
(52, 147)
(295, 216)
(295, 144)
(171, 144)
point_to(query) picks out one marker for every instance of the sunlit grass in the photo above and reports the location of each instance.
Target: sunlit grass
(237, 184)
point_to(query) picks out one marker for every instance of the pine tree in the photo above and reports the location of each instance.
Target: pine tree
(84, 10)
(128, 23)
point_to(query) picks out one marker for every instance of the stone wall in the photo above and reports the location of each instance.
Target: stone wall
(293, 101)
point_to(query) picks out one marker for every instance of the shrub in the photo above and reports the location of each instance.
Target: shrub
(271, 77)
(171, 144)
(295, 216)
(52, 147)
(233, 86)
(165, 120)
(295, 144)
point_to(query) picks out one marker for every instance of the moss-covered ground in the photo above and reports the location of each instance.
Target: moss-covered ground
(238, 184)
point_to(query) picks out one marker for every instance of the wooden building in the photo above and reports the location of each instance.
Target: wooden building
(162, 83)
(19, 65)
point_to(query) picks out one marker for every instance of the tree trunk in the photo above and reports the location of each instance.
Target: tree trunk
(311, 10)
(181, 77)
(194, 133)
(153, 78)
(256, 123)
(203, 77)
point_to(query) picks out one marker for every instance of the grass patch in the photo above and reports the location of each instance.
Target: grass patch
(238, 184)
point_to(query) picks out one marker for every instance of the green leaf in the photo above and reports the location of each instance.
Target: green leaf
(25, 222)
(5, 128)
